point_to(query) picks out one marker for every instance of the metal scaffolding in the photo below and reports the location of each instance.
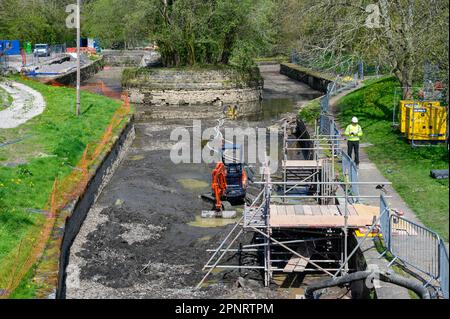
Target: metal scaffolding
(301, 224)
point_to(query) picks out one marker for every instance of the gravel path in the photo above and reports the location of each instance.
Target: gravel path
(27, 103)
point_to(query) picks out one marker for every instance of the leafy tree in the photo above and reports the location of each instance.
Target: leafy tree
(400, 34)
(188, 32)
(35, 21)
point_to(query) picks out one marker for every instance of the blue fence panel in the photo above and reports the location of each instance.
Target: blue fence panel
(10, 47)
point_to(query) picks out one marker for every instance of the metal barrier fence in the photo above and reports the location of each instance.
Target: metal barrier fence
(350, 171)
(385, 227)
(417, 247)
(328, 127)
(411, 243)
(443, 269)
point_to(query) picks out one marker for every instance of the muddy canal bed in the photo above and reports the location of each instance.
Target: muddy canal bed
(144, 238)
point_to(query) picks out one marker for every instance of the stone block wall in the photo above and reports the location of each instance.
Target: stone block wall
(187, 87)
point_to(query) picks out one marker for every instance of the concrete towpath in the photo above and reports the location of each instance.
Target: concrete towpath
(27, 103)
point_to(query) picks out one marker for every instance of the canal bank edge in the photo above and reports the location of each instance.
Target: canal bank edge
(50, 272)
(191, 86)
(316, 80)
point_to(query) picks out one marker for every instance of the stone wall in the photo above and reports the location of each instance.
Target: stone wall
(315, 80)
(186, 87)
(124, 58)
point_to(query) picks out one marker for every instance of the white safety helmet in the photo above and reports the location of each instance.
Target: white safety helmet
(355, 120)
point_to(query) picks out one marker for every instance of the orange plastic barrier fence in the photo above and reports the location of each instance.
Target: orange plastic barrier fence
(66, 190)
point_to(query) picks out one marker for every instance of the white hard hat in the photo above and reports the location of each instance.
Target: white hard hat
(355, 120)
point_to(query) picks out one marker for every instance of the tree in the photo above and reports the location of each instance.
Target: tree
(36, 21)
(188, 32)
(117, 22)
(400, 34)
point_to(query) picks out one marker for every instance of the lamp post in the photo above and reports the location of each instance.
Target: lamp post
(78, 57)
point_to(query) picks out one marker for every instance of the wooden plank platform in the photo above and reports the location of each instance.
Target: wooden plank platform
(296, 164)
(297, 264)
(321, 216)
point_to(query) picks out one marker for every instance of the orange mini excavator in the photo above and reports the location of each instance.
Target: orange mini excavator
(229, 183)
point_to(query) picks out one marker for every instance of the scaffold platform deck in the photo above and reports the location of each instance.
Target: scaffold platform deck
(321, 216)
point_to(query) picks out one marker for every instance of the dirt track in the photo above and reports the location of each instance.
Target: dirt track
(143, 237)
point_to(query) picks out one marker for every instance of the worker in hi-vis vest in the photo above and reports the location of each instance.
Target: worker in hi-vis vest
(353, 132)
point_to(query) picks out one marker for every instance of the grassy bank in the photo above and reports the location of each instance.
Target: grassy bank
(5, 99)
(310, 112)
(46, 147)
(407, 168)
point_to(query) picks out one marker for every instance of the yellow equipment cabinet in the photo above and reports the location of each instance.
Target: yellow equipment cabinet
(404, 104)
(426, 123)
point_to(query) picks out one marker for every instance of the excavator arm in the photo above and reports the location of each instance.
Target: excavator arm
(219, 184)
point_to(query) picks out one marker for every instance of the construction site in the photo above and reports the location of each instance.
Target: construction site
(229, 163)
(295, 227)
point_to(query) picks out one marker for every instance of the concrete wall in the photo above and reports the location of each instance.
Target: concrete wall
(314, 79)
(70, 79)
(179, 87)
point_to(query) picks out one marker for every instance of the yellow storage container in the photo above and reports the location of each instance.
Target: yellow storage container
(404, 104)
(426, 123)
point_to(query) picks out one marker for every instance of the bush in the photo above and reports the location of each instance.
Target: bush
(310, 112)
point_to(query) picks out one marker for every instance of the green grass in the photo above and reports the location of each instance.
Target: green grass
(5, 99)
(310, 112)
(407, 168)
(27, 288)
(54, 143)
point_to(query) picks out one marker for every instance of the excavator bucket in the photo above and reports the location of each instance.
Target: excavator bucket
(227, 214)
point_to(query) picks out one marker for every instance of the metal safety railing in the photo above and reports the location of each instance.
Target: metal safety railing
(350, 172)
(385, 227)
(328, 127)
(416, 247)
(443, 269)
